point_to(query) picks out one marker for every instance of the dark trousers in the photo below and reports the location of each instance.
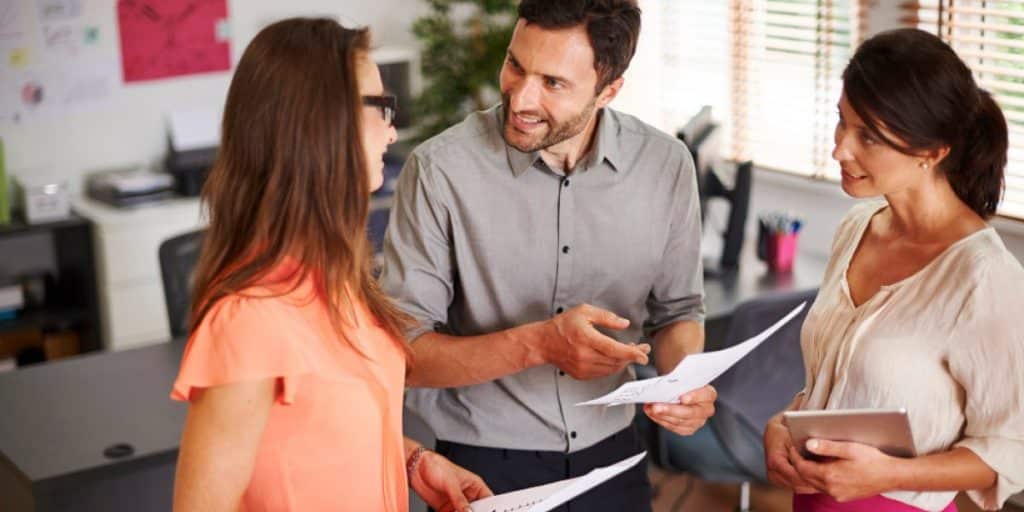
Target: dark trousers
(512, 470)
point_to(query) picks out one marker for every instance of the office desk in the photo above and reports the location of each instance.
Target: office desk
(723, 293)
(60, 417)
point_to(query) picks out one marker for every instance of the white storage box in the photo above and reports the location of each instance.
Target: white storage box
(43, 199)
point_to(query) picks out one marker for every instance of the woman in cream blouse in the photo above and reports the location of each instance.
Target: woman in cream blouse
(921, 303)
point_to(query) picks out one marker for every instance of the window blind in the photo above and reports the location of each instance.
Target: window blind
(769, 69)
(989, 36)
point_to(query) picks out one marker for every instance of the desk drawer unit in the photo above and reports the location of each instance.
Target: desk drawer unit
(127, 256)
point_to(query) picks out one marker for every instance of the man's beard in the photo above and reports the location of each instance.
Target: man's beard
(556, 132)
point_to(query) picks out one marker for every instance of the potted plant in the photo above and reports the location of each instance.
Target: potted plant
(463, 47)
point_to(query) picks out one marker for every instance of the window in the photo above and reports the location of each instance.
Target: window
(788, 55)
(694, 52)
(769, 69)
(989, 36)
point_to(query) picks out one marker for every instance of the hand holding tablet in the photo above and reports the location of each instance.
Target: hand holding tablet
(885, 429)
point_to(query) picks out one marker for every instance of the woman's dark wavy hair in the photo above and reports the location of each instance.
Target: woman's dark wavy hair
(290, 180)
(916, 86)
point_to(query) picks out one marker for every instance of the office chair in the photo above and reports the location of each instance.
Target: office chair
(178, 258)
(730, 447)
(377, 226)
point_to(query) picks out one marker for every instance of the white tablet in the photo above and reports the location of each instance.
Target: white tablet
(885, 429)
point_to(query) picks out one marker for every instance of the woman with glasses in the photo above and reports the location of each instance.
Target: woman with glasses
(919, 307)
(295, 368)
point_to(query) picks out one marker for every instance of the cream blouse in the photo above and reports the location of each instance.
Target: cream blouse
(946, 343)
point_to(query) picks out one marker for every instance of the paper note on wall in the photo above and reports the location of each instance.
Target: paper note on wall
(53, 59)
(167, 38)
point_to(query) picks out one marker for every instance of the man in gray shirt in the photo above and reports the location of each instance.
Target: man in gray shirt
(534, 244)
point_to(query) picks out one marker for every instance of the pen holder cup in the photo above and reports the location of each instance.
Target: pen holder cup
(781, 250)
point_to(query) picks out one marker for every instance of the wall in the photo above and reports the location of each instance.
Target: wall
(128, 128)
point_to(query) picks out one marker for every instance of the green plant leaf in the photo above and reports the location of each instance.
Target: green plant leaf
(460, 61)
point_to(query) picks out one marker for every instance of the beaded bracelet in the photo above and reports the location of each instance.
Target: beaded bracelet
(414, 459)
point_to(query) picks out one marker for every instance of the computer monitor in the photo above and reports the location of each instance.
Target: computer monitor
(397, 66)
(702, 136)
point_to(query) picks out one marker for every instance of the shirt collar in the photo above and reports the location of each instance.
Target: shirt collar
(606, 145)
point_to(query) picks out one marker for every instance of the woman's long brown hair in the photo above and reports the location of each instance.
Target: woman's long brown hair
(290, 179)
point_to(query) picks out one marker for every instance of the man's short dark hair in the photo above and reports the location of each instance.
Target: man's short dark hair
(613, 27)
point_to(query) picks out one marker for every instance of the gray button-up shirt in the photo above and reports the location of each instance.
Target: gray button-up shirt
(484, 237)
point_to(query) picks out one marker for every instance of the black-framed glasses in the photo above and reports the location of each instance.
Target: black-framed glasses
(388, 105)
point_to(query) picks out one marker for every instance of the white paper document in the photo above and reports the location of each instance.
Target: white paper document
(194, 129)
(692, 372)
(546, 497)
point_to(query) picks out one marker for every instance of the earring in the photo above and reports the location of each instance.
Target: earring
(923, 165)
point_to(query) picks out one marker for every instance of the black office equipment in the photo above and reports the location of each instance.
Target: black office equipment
(701, 136)
(396, 68)
(189, 168)
(193, 137)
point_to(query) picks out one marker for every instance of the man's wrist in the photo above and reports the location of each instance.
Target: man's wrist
(532, 338)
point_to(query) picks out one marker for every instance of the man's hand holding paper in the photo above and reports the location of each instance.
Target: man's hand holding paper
(689, 415)
(693, 374)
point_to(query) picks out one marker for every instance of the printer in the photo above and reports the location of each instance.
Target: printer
(192, 140)
(130, 186)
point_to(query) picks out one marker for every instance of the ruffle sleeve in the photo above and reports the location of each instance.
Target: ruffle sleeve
(244, 339)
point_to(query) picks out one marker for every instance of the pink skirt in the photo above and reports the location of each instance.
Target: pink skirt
(825, 503)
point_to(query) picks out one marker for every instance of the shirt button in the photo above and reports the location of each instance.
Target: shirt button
(559, 310)
(565, 249)
(561, 373)
(565, 183)
(572, 434)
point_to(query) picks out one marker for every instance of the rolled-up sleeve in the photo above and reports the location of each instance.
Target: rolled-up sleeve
(991, 373)
(417, 270)
(678, 290)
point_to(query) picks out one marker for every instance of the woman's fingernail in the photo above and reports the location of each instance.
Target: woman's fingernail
(812, 444)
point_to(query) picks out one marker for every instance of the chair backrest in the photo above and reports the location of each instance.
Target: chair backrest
(377, 226)
(762, 383)
(178, 257)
